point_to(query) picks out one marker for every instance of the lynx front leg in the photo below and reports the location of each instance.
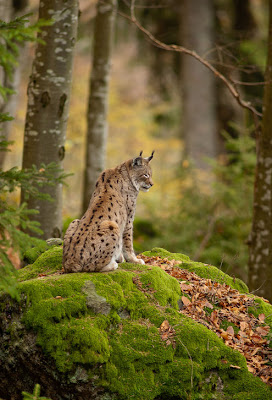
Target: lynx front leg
(128, 250)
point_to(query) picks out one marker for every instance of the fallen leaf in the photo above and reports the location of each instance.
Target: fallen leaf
(230, 330)
(224, 335)
(164, 336)
(185, 301)
(243, 325)
(261, 318)
(164, 326)
(214, 318)
(207, 304)
(263, 330)
(185, 287)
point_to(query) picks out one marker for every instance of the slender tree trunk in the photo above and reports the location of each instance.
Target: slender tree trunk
(98, 99)
(260, 250)
(47, 108)
(228, 110)
(8, 11)
(198, 83)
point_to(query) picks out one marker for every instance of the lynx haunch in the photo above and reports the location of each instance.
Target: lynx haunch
(104, 235)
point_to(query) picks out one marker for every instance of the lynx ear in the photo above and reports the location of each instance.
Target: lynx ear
(150, 158)
(138, 161)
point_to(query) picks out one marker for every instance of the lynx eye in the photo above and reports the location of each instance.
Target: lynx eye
(146, 176)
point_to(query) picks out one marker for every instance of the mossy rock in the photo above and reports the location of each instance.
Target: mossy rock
(47, 263)
(97, 336)
(215, 274)
(31, 254)
(202, 270)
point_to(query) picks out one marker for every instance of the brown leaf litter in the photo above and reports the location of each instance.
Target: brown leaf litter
(223, 310)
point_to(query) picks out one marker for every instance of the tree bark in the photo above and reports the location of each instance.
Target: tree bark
(98, 98)
(198, 83)
(260, 243)
(47, 108)
(8, 11)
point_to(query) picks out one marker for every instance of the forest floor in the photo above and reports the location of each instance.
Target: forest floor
(223, 310)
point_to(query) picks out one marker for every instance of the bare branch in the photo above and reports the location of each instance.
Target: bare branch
(249, 83)
(180, 49)
(206, 238)
(147, 6)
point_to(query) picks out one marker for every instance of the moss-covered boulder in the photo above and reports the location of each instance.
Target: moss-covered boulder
(202, 270)
(100, 336)
(32, 253)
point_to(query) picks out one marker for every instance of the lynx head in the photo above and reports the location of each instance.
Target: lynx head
(140, 172)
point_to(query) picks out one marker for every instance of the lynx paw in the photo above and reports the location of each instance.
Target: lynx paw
(131, 258)
(137, 260)
(110, 267)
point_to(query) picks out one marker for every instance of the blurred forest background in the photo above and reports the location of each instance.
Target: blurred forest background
(204, 140)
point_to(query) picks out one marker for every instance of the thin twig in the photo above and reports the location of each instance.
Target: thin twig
(256, 290)
(180, 49)
(192, 364)
(249, 83)
(147, 6)
(206, 238)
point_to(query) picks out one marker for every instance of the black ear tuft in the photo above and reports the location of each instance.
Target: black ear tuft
(150, 158)
(141, 152)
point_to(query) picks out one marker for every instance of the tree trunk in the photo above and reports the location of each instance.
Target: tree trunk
(228, 110)
(260, 250)
(8, 11)
(47, 108)
(198, 83)
(98, 99)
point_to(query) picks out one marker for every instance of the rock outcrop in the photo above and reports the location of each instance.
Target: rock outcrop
(99, 336)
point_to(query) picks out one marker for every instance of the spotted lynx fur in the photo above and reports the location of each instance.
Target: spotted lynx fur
(104, 235)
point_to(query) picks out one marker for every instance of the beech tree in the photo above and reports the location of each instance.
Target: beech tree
(98, 98)
(260, 242)
(47, 108)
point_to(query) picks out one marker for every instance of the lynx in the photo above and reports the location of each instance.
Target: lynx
(104, 235)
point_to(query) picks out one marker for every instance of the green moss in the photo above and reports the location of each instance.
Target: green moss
(58, 312)
(246, 387)
(261, 307)
(169, 293)
(132, 267)
(143, 367)
(33, 253)
(225, 324)
(134, 361)
(157, 251)
(47, 263)
(202, 270)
